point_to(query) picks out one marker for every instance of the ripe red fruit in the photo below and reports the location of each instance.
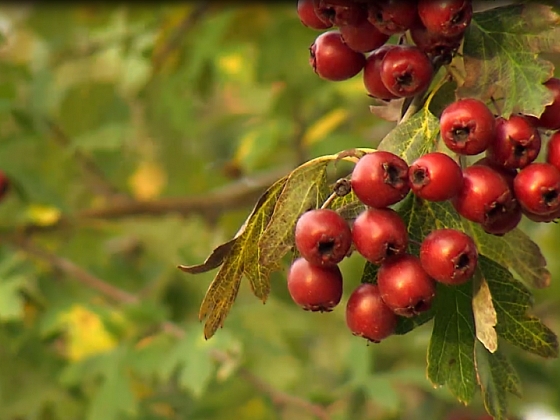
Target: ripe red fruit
(4, 184)
(314, 288)
(363, 37)
(503, 222)
(380, 179)
(435, 177)
(449, 256)
(537, 188)
(467, 126)
(307, 15)
(546, 218)
(507, 173)
(368, 316)
(404, 285)
(516, 142)
(378, 234)
(550, 118)
(372, 74)
(434, 44)
(446, 17)
(322, 237)
(341, 12)
(332, 59)
(392, 16)
(406, 71)
(553, 150)
(484, 196)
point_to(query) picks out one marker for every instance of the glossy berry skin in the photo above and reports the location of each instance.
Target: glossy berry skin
(435, 177)
(378, 234)
(341, 12)
(392, 16)
(507, 173)
(380, 179)
(433, 43)
(550, 118)
(446, 17)
(537, 188)
(332, 59)
(449, 256)
(404, 285)
(322, 237)
(484, 196)
(368, 316)
(553, 150)
(308, 17)
(516, 143)
(406, 71)
(467, 126)
(363, 37)
(314, 288)
(372, 74)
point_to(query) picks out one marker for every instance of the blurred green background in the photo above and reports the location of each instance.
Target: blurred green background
(137, 138)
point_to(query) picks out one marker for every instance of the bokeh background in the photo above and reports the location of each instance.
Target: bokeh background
(138, 137)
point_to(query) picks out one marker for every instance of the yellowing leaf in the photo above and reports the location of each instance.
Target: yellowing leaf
(324, 126)
(148, 180)
(485, 317)
(231, 64)
(43, 215)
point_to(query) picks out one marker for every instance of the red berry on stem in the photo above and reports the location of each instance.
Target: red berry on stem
(446, 17)
(314, 288)
(435, 177)
(467, 126)
(392, 16)
(550, 118)
(434, 44)
(368, 316)
(449, 256)
(372, 74)
(380, 179)
(378, 234)
(322, 237)
(406, 71)
(553, 150)
(332, 59)
(307, 15)
(341, 12)
(507, 173)
(363, 37)
(537, 188)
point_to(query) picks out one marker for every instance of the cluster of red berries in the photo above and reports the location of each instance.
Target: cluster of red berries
(389, 71)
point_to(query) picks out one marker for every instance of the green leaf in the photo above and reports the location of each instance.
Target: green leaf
(107, 137)
(501, 57)
(11, 300)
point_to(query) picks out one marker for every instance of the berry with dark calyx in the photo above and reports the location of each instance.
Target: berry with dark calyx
(363, 37)
(322, 237)
(516, 143)
(435, 44)
(449, 256)
(435, 177)
(378, 234)
(406, 71)
(380, 179)
(550, 118)
(484, 196)
(341, 12)
(314, 288)
(404, 285)
(307, 16)
(467, 126)
(446, 17)
(504, 222)
(508, 174)
(392, 16)
(372, 74)
(537, 188)
(332, 59)
(368, 316)
(553, 150)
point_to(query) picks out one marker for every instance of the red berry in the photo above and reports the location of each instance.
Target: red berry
(449, 256)
(323, 237)
(434, 44)
(368, 316)
(516, 143)
(4, 184)
(537, 188)
(378, 234)
(380, 179)
(404, 285)
(550, 118)
(307, 15)
(467, 126)
(507, 173)
(484, 196)
(363, 37)
(392, 16)
(332, 59)
(406, 71)
(435, 177)
(553, 150)
(341, 12)
(446, 17)
(314, 288)
(546, 218)
(372, 74)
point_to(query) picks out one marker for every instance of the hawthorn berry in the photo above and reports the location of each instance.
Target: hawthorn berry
(368, 316)
(404, 285)
(434, 44)
(446, 17)
(406, 70)
(380, 179)
(435, 177)
(332, 59)
(537, 188)
(362, 37)
(516, 143)
(449, 256)
(378, 234)
(308, 17)
(467, 126)
(322, 237)
(4, 184)
(550, 118)
(504, 221)
(314, 288)
(507, 173)
(553, 150)
(392, 16)
(341, 12)
(372, 74)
